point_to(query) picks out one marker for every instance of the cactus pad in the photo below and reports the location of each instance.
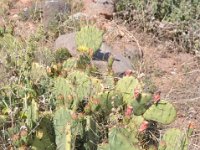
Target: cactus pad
(70, 64)
(89, 37)
(126, 86)
(141, 104)
(81, 84)
(162, 112)
(61, 119)
(120, 139)
(62, 90)
(174, 139)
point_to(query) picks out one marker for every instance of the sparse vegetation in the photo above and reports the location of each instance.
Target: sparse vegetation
(177, 21)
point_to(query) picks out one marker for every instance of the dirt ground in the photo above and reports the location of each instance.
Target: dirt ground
(175, 74)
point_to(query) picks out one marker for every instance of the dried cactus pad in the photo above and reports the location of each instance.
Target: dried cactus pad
(162, 112)
(174, 139)
(89, 37)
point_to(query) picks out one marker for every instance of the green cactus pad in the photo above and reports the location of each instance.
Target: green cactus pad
(91, 134)
(134, 125)
(96, 86)
(63, 122)
(89, 37)
(63, 88)
(126, 87)
(105, 103)
(174, 139)
(142, 104)
(44, 138)
(120, 139)
(32, 113)
(81, 84)
(162, 112)
(108, 100)
(108, 82)
(70, 64)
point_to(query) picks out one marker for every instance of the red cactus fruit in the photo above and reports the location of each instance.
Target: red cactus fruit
(96, 101)
(143, 126)
(136, 93)
(129, 111)
(74, 116)
(128, 73)
(191, 128)
(156, 97)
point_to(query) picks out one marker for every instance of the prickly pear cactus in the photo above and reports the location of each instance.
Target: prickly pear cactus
(141, 104)
(44, 138)
(162, 112)
(120, 138)
(96, 86)
(70, 64)
(82, 86)
(63, 91)
(134, 125)
(108, 82)
(32, 113)
(109, 100)
(174, 139)
(126, 87)
(105, 103)
(91, 134)
(61, 120)
(89, 37)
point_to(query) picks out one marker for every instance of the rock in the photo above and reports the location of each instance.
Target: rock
(52, 9)
(102, 66)
(121, 63)
(99, 7)
(129, 50)
(67, 41)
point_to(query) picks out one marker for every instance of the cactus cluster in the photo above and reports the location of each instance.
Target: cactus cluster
(86, 105)
(90, 111)
(122, 105)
